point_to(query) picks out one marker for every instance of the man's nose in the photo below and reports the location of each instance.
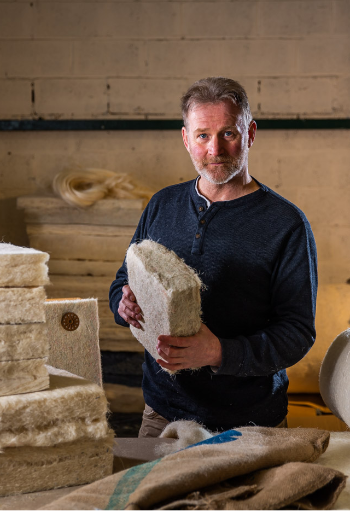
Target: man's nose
(215, 146)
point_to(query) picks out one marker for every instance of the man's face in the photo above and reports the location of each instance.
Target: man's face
(218, 141)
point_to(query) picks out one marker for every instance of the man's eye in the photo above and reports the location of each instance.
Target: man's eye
(228, 133)
(203, 135)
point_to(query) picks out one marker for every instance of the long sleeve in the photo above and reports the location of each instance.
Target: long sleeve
(290, 330)
(121, 279)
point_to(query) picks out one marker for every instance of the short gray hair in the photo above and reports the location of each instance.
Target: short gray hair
(214, 90)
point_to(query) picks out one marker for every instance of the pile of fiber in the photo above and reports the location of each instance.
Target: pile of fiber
(175, 307)
(24, 345)
(53, 427)
(83, 187)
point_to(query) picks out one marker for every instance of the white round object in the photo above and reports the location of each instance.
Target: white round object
(335, 377)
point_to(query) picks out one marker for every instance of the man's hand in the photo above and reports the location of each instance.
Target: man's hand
(197, 350)
(128, 308)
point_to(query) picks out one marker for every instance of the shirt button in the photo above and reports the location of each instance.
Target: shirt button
(202, 221)
(198, 235)
(200, 208)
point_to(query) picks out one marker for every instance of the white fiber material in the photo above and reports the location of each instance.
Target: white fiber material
(22, 376)
(31, 469)
(337, 456)
(21, 266)
(72, 408)
(23, 341)
(22, 305)
(76, 351)
(335, 377)
(185, 432)
(83, 187)
(167, 291)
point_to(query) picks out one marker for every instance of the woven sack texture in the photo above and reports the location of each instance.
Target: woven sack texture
(30, 469)
(76, 351)
(22, 267)
(24, 341)
(22, 305)
(167, 291)
(73, 408)
(198, 476)
(22, 376)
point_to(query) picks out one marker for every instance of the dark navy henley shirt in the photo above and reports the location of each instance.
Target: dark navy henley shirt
(256, 256)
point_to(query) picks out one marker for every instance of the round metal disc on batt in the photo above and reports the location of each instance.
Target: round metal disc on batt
(70, 321)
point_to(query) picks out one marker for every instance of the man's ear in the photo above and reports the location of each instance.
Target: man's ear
(184, 137)
(251, 133)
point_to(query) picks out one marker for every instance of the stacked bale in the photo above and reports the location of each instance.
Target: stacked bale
(24, 345)
(58, 436)
(87, 247)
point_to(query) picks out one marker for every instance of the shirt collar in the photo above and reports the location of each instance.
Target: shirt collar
(200, 195)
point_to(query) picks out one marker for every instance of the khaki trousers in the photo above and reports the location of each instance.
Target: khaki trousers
(153, 423)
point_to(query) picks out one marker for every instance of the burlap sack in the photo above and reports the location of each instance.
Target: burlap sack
(233, 454)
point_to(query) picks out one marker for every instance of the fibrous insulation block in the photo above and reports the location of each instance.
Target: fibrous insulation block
(76, 350)
(31, 469)
(71, 409)
(167, 291)
(22, 376)
(21, 266)
(23, 341)
(22, 305)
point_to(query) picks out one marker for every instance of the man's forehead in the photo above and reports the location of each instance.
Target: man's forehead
(225, 113)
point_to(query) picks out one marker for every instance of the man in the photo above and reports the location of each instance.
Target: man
(256, 256)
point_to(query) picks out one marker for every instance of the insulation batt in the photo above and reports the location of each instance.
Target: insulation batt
(30, 469)
(23, 341)
(22, 305)
(22, 376)
(20, 266)
(72, 408)
(174, 288)
(76, 351)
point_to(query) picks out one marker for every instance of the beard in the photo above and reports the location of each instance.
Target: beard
(230, 168)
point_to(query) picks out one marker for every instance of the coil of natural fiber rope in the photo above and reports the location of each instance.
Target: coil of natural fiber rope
(84, 186)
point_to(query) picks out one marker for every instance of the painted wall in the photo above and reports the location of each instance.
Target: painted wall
(133, 59)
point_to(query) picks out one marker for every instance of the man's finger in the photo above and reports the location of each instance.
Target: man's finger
(128, 293)
(171, 359)
(170, 367)
(179, 342)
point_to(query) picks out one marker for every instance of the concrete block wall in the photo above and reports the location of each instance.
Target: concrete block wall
(125, 59)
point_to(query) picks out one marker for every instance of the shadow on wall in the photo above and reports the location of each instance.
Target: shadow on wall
(12, 225)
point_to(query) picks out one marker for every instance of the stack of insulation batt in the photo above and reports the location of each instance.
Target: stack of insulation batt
(87, 246)
(58, 436)
(24, 345)
(54, 438)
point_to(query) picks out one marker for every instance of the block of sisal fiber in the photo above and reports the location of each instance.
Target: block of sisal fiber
(23, 341)
(21, 266)
(72, 408)
(32, 469)
(22, 305)
(22, 376)
(73, 328)
(167, 291)
(335, 377)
